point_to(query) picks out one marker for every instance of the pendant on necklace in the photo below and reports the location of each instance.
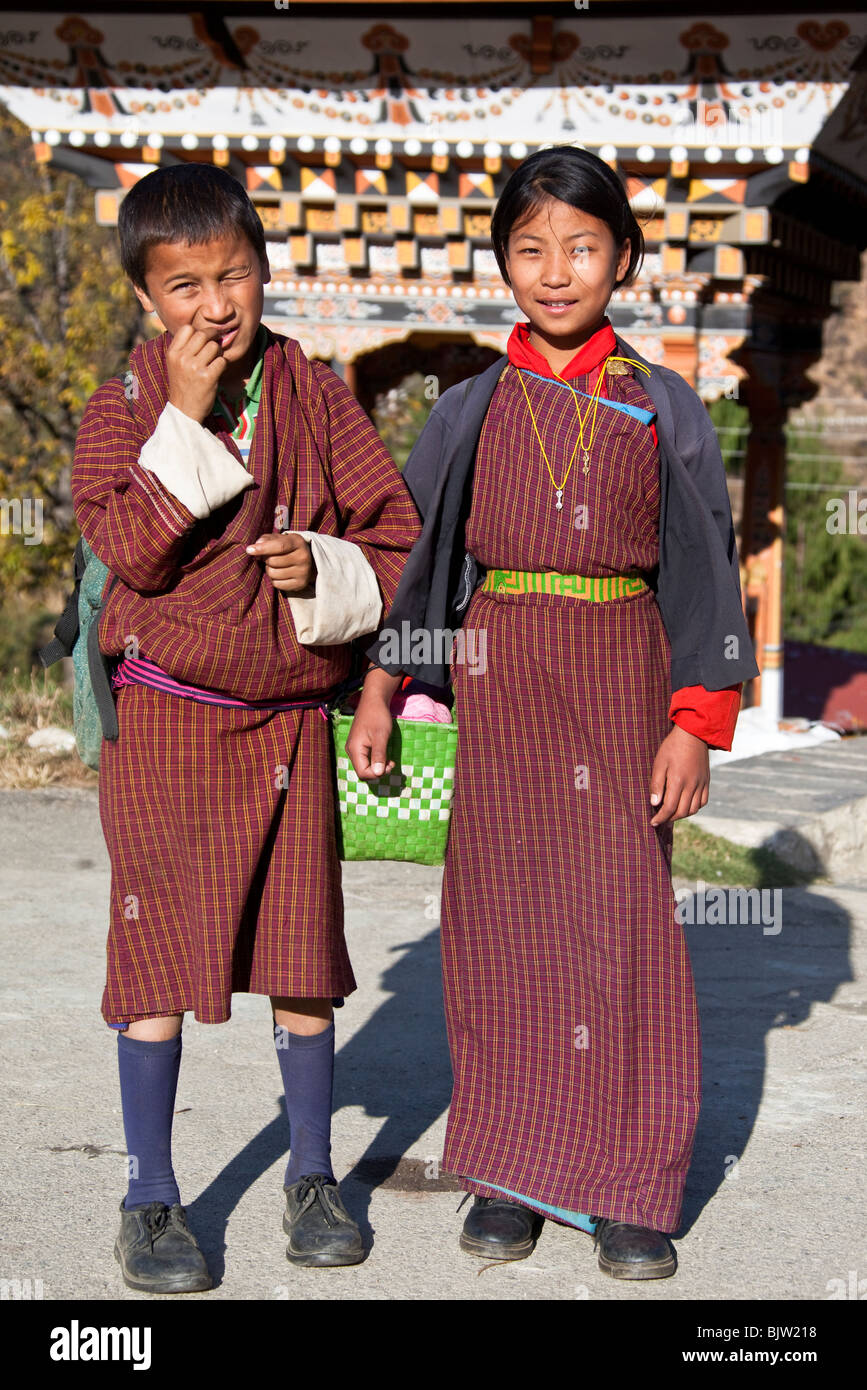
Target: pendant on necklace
(559, 499)
(586, 469)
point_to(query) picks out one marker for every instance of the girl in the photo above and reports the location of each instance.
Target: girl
(587, 488)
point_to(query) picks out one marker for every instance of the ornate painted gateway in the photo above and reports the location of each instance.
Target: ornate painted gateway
(375, 139)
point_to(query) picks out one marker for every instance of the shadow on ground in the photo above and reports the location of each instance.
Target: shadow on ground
(750, 979)
(396, 1066)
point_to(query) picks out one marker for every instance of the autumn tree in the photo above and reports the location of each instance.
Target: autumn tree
(67, 322)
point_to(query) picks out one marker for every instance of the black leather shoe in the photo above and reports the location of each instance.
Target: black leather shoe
(500, 1230)
(158, 1252)
(632, 1252)
(320, 1229)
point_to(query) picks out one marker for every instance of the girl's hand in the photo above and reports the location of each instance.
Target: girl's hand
(371, 728)
(288, 560)
(680, 778)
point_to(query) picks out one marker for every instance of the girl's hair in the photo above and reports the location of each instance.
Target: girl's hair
(183, 202)
(570, 176)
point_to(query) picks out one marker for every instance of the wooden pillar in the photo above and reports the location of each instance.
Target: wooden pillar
(763, 527)
(350, 376)
(681, 354)
(348, 372)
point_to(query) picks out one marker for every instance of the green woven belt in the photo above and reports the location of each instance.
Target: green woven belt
(597, 590)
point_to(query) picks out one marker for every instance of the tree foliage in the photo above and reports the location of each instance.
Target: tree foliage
(825, 590)
(67, 322)
(401, 414)
(731, 421)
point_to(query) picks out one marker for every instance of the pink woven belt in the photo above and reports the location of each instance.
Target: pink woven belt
(140, 671)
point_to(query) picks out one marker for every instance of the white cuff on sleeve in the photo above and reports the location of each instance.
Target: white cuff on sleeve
(347, 602)
(192, 463)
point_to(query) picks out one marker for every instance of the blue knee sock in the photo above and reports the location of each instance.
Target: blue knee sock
(148, 1083)
(307, 1068)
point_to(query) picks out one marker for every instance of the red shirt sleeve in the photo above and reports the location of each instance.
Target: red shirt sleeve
(709, 714)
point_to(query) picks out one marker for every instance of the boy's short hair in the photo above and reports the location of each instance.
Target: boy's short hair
(183, 202)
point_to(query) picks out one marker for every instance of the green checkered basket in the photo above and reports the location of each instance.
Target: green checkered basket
(404, 814)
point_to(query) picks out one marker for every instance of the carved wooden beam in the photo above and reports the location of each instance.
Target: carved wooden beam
(541, 44)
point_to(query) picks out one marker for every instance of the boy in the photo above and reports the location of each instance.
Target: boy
(257, 525)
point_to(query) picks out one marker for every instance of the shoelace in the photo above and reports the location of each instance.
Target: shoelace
(160, 1219)
(159, 1216)
(156, 1219)
(312, 1189)
(601, 1223)
(482, 1201)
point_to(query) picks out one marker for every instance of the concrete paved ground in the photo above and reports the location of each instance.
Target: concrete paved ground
(783, 1019)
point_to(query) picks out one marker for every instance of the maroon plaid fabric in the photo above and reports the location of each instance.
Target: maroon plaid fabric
(569, 997)
(220, 821)
(200, 607)
(225, 876)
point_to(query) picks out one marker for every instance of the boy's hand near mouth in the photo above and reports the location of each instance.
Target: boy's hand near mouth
(195, 364)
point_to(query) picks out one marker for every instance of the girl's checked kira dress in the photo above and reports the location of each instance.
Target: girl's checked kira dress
(569, 996)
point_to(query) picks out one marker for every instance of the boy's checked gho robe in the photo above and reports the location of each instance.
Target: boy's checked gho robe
(220, 821)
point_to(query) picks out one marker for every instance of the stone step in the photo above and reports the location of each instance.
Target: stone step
(808, 805)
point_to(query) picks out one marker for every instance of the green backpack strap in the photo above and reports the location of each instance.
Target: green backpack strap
(76, 634)
(96, 586)
(66, 627)
(98, 715)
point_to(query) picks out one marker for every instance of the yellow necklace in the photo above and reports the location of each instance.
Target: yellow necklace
(594, 403)
(592, 407)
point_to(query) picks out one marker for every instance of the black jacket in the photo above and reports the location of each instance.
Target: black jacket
(696, 582)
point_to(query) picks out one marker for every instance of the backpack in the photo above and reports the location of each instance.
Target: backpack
(76, 634)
